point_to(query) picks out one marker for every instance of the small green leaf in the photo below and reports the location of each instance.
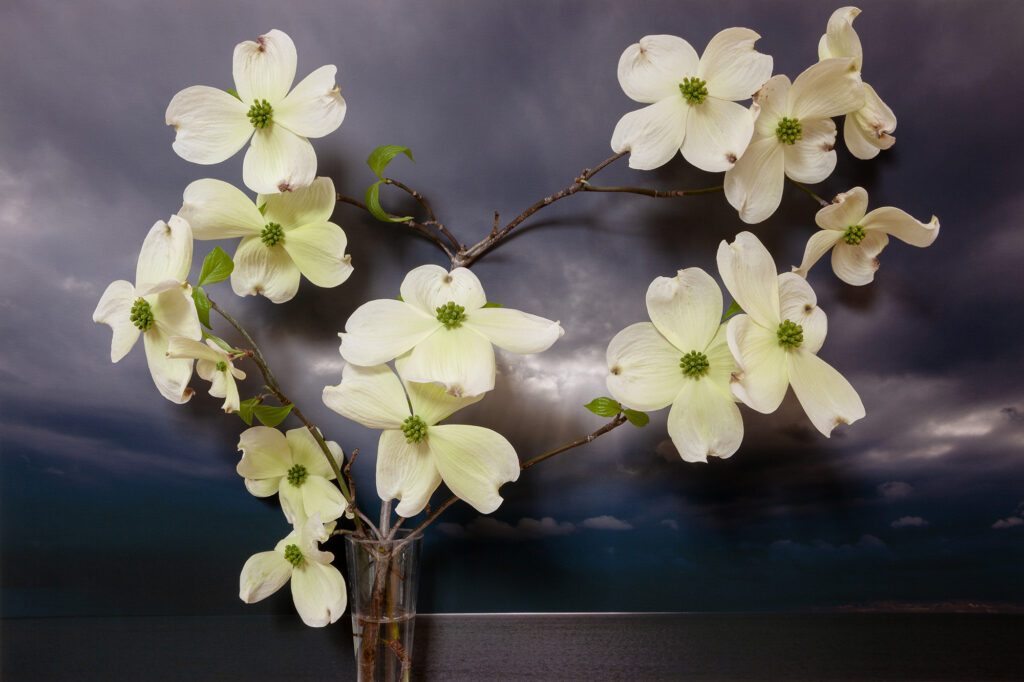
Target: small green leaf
(219, 341)
(381, 156)
(271, 416)
(373, 205)
(245, 409)
(734, 308)
(217, 267)
(234, 93)
(636, 418)
(604, 407)
(203, 306)
(263, 208)
(492, 304)
(401, 299)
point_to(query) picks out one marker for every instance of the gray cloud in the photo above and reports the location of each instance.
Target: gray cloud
(606, 522)
(486, 527)
(909, 522)
(895, 490)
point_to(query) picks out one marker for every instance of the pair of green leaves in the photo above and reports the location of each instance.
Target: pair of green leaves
(607, 407)
(378, 161)
(267, 414)
(217, 267)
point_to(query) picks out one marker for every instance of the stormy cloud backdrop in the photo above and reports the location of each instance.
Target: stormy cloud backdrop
(115, 501)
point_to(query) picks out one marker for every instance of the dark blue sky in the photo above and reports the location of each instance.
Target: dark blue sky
(116, 501)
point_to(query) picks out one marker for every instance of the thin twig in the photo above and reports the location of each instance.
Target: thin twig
(656, 193)
(430, 212)
(821, 202)
(419, 227)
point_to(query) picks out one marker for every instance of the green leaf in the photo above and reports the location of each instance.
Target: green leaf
(373, 204)
(203, 306)
(636, 418)
(401, 299)
(271, 416)
(492, 304)
(734, 308)
(234, 93)
(263, 208)
(217, 267)
(604, 407)
(245, 409)
(219, 341)
(381, 156)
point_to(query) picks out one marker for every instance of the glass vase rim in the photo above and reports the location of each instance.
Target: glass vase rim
(401, 535)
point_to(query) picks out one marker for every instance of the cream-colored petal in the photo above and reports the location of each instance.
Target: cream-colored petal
(847, 209)
(306, 451)
(406, 472)
(473, 462)
(652, 135)
(166, 253)
(262, 487)
(644, 371)
(232, 402)
(653, 68)
(318, 591)
(686, 309)
(761, 380)
(733, 69)
(721, 363)
(856, 265)
(218, 210)
(704, 422)
(210, 125)
(290, 497)
(265, 270)
(181, 347)
(174, 313)
(812, 158)
(170, 375)
(381, 330)
(430, 286)
(771, 101)
(264, 69)
(262, 575)
(827, 397)
(748, 271)
(828, 88)
(753, 186)
(114, 309)
(866, 131)
(320, 496)
(431, 402)
(798, 304)
(514, 330)
(318, 250)
(817, 246)
(840, 40)
(460, 359)
(278, 160)
(371, 396)
(302, 206)
(265, 455)
(315, 107)
(717, 134)
(902, 226)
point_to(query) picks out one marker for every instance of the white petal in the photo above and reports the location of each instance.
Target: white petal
(430, 286)
(827, 398)
(114, 309)
(798, 304)
(721, 363)
(902, 226)
(232, 403)
(320, 496)
(733, 69)
(754, 185)
(826, 89)
(686, 309)
(460, 359)
(265, 454)
(856, 265)
(819, 244)
(771, 101)
(302, 206)
(264, 69)
(652, 135)
(514, 330)
(166, 253)
(381, 330)
(263, 487)
(406, 472)
(318, 591)
(278, 160)
(812, 158)
(848, 208)
(174, 313)
(866, 130)
(181, 347)
(262, 575)
(315, 107)
(840, 40)
(704, 422)
(644, 371)
(217, 210)
(290, 498)
(431, 402)
(318, 250)
(170, 375)
(761, 380)
(748, 271)
(717, 134)
(473, 462)
(371, 396)
(306, 451)
(266, 270)
(210, 125)
(652, 69)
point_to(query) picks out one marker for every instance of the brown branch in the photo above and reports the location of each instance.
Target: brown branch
(656, 193)
(430, 212)
(415, 225)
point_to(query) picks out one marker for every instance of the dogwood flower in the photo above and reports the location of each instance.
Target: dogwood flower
(211, 125)
(775, 343)
(793, 135)
(292, 465)
(158, 307)
(865, 130)
(214, 365)
(692, 102)
(318, 589)
(441, 318)
(415, 453)
(856, 239)
(681, 358)
(283, 235)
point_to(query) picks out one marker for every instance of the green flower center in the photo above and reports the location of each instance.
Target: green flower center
(294, 555)
(297, 475)
(222, 366)
(142, 315)
(451, 315)
(694, 90)
(272, 234)
(694, 364)
(789, 130)
(790, 334)
(260, 113)
(854, 235)
(415, 429)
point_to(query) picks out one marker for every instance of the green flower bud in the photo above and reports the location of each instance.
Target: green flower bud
(451, 315)
(297, 475)
(142, 315)
(222, 366)
(694, 364)
(260, 113)
(790, 334)
(694, 90)
(415, 429)
(854, 234)
(294, 555)
(272, 234)
(789, 130)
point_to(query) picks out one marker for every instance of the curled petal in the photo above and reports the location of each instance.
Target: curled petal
(174, 313)
(754, 185)
(431, 402)
(265, 69)
(652, 69)
(473, 462)
(263, 575)
(652, 135)
(461, 359)
(318, 250)
(430, 286)
(210, 125)
(856, 265)
(686, 309)
(381, 330)
(278, 160)
(265, 455)
(181, 347)
(761, 380)
(218, 210)
(866, 130)
(318, 591)
(704, 422)
(902, 226)
(266, 270)
(315, 107)
(644, 371)
(812, 158)
(827, 397)
(114, 309)
(170, 375)
(749, 274)
(847, 209)
(817, 246)
(840, 40)
(828, 88)
(371, 396)
(514, 330)
(717, 134)
(733, 69)
(798, 304)
(406, 472)
(302, 206)
(166, 253)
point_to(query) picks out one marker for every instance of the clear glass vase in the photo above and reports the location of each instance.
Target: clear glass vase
(383, 577)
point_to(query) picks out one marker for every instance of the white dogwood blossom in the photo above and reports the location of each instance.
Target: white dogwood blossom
(775, 342)
(681, 358)
(214, 365)
(857, 237)
(159, 306)
(443, 320)
(318, 588)
(794, 135)
(692, 102)
(284, 236)
(865, 130)
(211, 125)
(415, 453)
